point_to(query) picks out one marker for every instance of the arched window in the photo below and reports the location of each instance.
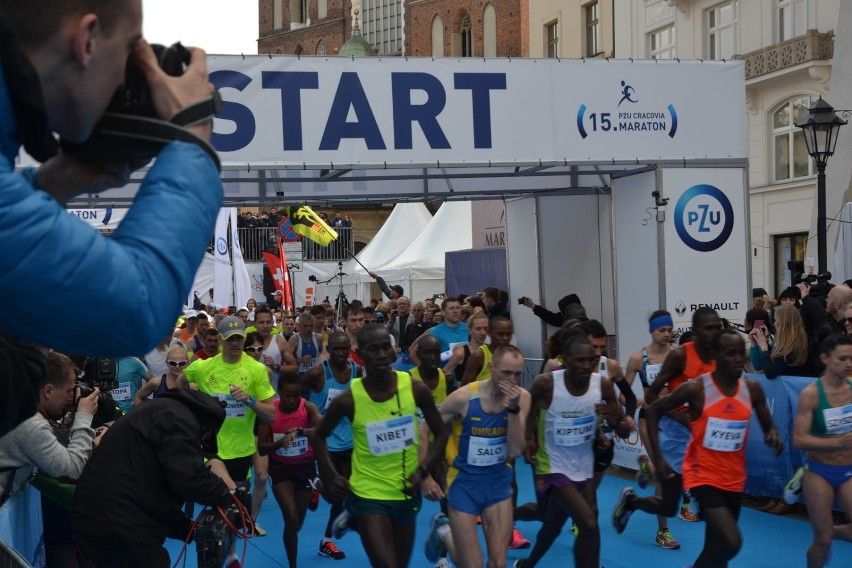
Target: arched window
(489, 33)
(321, 48)
(466, 38)
(437, 37)
(789, 151)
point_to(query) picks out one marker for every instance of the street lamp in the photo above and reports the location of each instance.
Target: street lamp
(821, 128)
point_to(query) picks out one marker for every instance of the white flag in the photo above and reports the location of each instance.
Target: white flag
(242, 281)
(223, 280)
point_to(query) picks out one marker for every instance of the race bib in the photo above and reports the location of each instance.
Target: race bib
(305, 367)
(574, 431)
(332, 394)
(298, 447)
(651, 372)
(725, 435)
(486, 451)
(122, 393)
(233, 408)
(390, 436)
(838, 420)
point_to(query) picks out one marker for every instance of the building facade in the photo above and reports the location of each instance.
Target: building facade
(466, 28)
(787, 46)
(571, 29)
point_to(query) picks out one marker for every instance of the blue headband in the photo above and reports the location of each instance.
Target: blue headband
(660, 321)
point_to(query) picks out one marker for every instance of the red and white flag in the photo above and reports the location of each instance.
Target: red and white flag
(280, 275)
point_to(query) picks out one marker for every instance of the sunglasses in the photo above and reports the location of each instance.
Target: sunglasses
(257, 349)
(178, 364)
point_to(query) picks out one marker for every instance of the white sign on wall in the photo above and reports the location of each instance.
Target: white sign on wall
(706, 256)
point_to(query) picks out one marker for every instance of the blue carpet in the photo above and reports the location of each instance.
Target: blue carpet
(770, 541)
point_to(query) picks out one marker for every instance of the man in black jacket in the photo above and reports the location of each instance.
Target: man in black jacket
(569, 308)
(129, 496)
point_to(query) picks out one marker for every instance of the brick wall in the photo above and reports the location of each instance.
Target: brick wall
(512, 25)
(333, 30)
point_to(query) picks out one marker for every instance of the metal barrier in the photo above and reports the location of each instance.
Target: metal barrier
(254, 241)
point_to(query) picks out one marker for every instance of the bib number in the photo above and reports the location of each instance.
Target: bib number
(297, 448)
(838, 420)
(486, 451)
(725, 435)
(122, 393)
(390, 436)
(233, 408)
(574, 431)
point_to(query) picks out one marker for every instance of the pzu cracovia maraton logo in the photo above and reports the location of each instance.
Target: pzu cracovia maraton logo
(704, 218)
(629, 115)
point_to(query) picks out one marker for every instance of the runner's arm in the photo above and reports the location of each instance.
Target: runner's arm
(802, 437)
(334, 485)
(686, 393)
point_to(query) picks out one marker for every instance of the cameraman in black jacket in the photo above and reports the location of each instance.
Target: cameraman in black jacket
(822, 321)
(129, 496)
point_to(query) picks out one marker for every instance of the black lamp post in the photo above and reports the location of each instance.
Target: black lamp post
(821, 128)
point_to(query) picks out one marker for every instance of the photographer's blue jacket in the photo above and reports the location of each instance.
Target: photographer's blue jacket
(68, 287)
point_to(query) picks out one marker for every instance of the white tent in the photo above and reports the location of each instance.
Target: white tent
(420, 268)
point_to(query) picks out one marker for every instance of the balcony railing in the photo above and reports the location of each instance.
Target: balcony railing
(254, 241)
(813, 46)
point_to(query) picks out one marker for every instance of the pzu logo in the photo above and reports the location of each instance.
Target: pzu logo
(704, 218)
(221, 245)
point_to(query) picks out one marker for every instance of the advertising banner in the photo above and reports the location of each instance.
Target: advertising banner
(705, 236)
(316, 112)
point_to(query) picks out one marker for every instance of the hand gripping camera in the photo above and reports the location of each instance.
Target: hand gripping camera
(130, 128)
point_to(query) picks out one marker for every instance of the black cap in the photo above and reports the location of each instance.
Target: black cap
(398, 289)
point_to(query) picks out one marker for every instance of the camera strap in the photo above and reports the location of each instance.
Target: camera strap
(120, 136)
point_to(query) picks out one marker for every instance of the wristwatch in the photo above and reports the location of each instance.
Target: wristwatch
(514, 410)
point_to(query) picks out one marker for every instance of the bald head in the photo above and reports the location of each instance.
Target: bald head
(838, 300)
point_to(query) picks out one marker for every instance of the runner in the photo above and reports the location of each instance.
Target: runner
(500, 331)
(491, 414)
(324, 383)
(560, 435)
(477, 326)
(383, 494)
(688, 361)
(646, 364)
(720, 405)
(291, 459)
(823, 430)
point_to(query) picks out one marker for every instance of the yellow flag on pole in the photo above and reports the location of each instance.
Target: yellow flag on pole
(310, 226)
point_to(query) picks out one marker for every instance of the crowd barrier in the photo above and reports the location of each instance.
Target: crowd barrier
(20, 517)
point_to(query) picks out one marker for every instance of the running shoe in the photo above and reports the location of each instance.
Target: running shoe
(434, 547)
(575, 530)
(341, 524)
(518, 540)
(234, 563)
(621, 512)
(443, 563)
(519, 563)
(643, 476)
(258, 530)
(666, 540)
(793, 489)
(329, 550)
(687, 513)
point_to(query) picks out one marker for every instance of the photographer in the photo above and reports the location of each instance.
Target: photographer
(822, 321)
(61, 63)
(33, 444)
(569, 308)
(129, 496)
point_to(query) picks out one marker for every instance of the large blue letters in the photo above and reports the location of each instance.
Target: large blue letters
(426, 115)
(480, 85)
(239, 114)
(350, 94)
(290, 83)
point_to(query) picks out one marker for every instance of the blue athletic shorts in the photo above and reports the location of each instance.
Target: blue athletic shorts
(836, 475)
(471, 493)
(674, 437)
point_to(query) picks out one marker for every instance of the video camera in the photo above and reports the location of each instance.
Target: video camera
(100, 373)
(819, 283)
(131, 129)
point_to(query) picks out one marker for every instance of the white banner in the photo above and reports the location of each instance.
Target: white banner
(705, 243)
(104, 219)
(333, 112)
(223, 280)
(242, 280)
